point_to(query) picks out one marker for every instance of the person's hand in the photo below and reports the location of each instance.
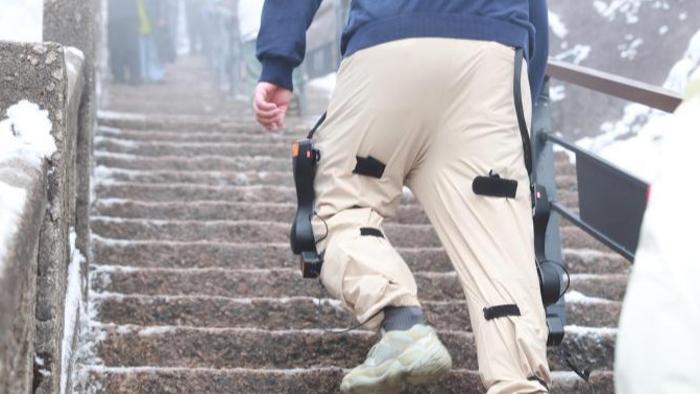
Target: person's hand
(271, 105)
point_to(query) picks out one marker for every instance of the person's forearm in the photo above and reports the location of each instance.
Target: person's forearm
(281, 42)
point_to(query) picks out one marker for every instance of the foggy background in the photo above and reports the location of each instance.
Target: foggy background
(654, 41)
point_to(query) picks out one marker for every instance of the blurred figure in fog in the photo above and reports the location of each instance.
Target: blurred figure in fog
(123, 37)
(195, 28)
(150, 17)
(249, 15)
(166, 34)
(234, 65)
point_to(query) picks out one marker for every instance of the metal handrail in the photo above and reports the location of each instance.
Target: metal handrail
(611, 85)
(615, 85)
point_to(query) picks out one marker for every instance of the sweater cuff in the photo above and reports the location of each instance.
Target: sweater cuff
(277, 72)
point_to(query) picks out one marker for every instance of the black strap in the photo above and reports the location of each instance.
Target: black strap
(520, 111)
(371, 232)
(318, 124)
(495, 186)
(369, 166)
(498, 311)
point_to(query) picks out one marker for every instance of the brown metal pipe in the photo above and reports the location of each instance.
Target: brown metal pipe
(614, 85)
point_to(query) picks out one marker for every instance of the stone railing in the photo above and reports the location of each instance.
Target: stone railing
(44, 239)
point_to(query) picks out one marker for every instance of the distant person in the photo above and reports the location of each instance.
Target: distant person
(195, 26)
(235, 55)
(166, 33)
(123, 41)
(150, 17)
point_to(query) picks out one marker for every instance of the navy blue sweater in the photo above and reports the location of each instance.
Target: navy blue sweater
(517, 23)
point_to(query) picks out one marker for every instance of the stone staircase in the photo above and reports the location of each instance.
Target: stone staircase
(194, 288)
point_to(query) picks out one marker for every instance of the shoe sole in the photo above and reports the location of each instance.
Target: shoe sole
(414, 366)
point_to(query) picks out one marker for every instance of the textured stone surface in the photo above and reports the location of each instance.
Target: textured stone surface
(401, 235)
(288, 283)
(157, 149)
(18, 267)
(152, 254)
(202, 163)
(54, 246)
(300, 381)
(289, 349)
(296, 313)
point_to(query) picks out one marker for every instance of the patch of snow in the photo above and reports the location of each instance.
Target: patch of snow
(76, 52)
(337, 304)
(21, 20)
(629, 9)
(73, 309)
(590, 331)
(663, 30)
(156, 330)
(557, 25)
(242, 179)
(26, 133)
(575, 55)
(629, 49)
(557, 93)
(580, 298)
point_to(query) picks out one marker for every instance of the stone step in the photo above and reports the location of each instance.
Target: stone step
(206, 178)
(232, 191)
(218, 178)
(199, 193)
(298, 312)
(401, 235)
(277, 283)
(197, 210)
(156, 254)
(295, 381)
(201, 163)
(217, 210)
(192, 149)
(190, 123)
(127, 135)
(209, 162)
(193, 347)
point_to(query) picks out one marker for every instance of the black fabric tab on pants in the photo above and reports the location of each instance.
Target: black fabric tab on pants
(495, 312)
(371, 232)
(369, 166)
(493, 186)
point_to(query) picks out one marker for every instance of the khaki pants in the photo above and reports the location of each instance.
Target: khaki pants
(438, 113)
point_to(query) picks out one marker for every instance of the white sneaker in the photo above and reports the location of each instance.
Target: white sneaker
(415, 356)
